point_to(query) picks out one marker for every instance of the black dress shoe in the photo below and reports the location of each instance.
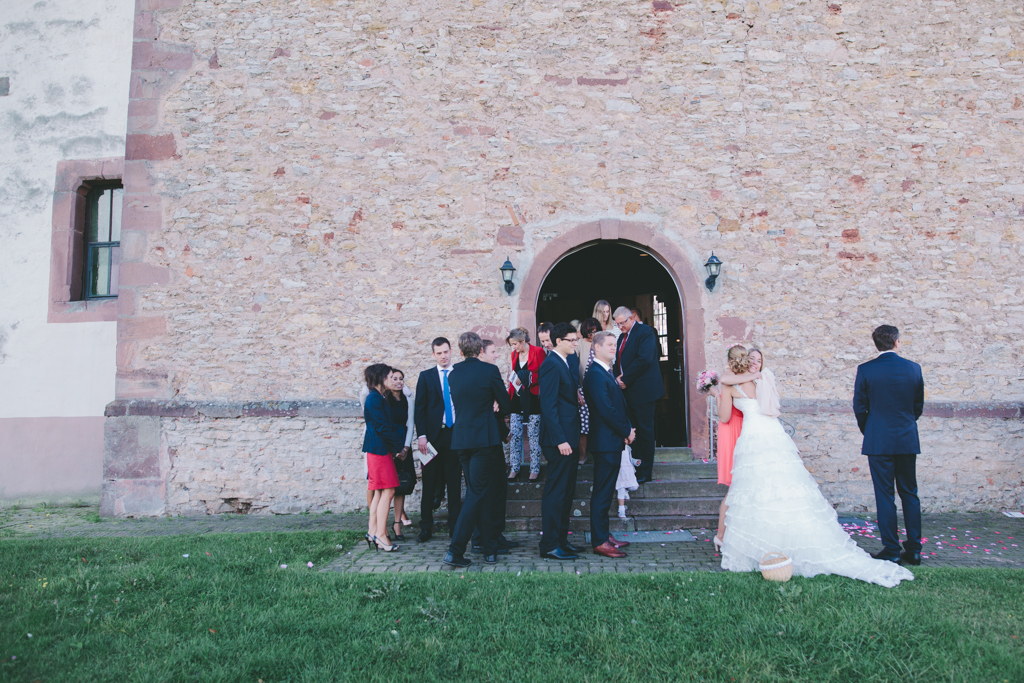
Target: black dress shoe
(456, 560)
(505, 543)
(559, 554)
(490, 559)
(570, 548)
(885, 555)
(907, 557)
(424, 537)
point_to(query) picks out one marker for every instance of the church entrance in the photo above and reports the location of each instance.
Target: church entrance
(625, 274)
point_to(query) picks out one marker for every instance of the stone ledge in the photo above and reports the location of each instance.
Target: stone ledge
(1013, 410)
(231, 409)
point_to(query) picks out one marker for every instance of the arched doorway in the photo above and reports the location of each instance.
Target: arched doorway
(672, 260)
(625, 274)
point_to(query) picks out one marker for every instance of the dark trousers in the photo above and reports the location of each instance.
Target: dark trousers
(885, 469)
(606, 471)
(478, 464)
(642, 417)
(444, 471)
(556, 504)
(497, 497)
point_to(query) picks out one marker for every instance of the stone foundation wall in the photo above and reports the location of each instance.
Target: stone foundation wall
(968, 464)
(198, 459)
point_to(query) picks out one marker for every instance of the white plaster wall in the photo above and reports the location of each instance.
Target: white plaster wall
(69, 63)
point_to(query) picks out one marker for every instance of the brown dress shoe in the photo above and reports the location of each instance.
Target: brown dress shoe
(608, 550)
(616, 543)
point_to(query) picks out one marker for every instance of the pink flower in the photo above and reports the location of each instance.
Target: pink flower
(309, 564)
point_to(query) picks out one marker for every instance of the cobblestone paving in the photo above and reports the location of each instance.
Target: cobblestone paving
(953, 540)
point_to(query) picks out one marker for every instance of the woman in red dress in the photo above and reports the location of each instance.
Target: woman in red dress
(382, 441)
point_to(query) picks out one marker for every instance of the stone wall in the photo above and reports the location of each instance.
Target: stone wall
(318, 185)
(967, 464)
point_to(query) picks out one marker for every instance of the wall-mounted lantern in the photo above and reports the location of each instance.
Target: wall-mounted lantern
(507, 271)
(714, 266)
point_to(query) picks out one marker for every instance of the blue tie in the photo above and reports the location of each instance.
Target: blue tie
(449, 419)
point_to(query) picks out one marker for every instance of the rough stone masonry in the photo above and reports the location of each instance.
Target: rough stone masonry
(315, 185)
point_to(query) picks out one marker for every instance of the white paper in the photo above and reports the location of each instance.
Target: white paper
(1016, 515)
(431, 454)
(514, 380)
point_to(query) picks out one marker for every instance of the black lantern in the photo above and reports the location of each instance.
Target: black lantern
(507, 270)
(714, 266)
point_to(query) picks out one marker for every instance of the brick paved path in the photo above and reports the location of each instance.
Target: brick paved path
(953, 540)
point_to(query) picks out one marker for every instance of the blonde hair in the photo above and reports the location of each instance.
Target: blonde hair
(759, 352)
(739, 360)
(601, 303)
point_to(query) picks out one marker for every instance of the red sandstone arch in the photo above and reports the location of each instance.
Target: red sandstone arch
(674, 261)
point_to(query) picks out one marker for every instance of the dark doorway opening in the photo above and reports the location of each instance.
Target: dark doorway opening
(626, 275)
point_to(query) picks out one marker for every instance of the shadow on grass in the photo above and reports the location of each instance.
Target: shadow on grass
(138, 609)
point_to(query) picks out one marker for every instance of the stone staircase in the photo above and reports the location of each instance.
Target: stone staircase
(684, 494)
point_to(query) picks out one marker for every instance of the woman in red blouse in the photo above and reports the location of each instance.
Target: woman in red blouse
(524, 388)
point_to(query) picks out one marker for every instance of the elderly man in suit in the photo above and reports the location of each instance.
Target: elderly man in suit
(609, 430)
(639, 375)
(888, 398)
(476, 386)
(435, 417)
(559, 440)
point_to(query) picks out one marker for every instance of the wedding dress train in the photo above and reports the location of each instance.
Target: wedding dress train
(775, 505)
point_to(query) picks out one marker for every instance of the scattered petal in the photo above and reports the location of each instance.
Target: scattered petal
(284, 566)
(309, 564)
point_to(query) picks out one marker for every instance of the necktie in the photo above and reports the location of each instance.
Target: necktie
(449, 419)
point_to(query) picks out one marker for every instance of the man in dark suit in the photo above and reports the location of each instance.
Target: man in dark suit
(559, 439)
(497, 494)
(609, 430)
(639, 375)
(435, 417)
(888, 398)
(475, 387)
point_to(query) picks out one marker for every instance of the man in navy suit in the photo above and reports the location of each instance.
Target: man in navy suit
(609, 430)
(435, 417)
(475, 387)
(638, 372)
(888, 397)
(559, 440)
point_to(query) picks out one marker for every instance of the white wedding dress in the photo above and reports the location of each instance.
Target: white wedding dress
(775, 506)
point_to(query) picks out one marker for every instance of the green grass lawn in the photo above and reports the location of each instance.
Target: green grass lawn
(135, 609)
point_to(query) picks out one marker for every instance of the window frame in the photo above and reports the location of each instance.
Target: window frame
(74, 180)
(88, 247)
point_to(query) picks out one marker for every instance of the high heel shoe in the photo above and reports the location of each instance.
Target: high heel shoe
(369, 540)
(398, 532)
(385, 548)
(718, 543)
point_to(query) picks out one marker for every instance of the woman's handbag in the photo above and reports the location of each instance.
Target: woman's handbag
(406, 476)
(525, 396)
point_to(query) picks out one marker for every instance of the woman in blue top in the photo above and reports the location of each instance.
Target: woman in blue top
(383, 440)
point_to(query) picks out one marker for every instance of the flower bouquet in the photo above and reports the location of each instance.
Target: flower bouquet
(706, 380)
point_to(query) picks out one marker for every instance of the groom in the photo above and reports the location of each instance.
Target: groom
(888, 398)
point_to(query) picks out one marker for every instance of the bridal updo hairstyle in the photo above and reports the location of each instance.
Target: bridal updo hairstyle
(739, 361)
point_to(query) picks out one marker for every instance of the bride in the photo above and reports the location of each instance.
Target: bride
(774, 504)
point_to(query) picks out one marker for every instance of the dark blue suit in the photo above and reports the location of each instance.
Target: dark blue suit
(475, 386)
(445, 470)
(637, 360)
(609, 427)
(382, 435)
(559, 423)
(888, 397)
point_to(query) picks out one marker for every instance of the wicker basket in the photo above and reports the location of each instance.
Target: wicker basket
(776, 567)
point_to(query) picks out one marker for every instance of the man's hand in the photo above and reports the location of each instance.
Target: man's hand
(622, 385)
(632, 437)
(565, 448)
(582, 400)
(423, 445)
(495, 406)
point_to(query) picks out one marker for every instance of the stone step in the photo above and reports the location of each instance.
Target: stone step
(579, 525)
(662, 470)
(673, 454)
(664, 488)
(640, 507)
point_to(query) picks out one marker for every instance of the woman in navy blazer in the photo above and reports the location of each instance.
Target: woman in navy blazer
(382, 441)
